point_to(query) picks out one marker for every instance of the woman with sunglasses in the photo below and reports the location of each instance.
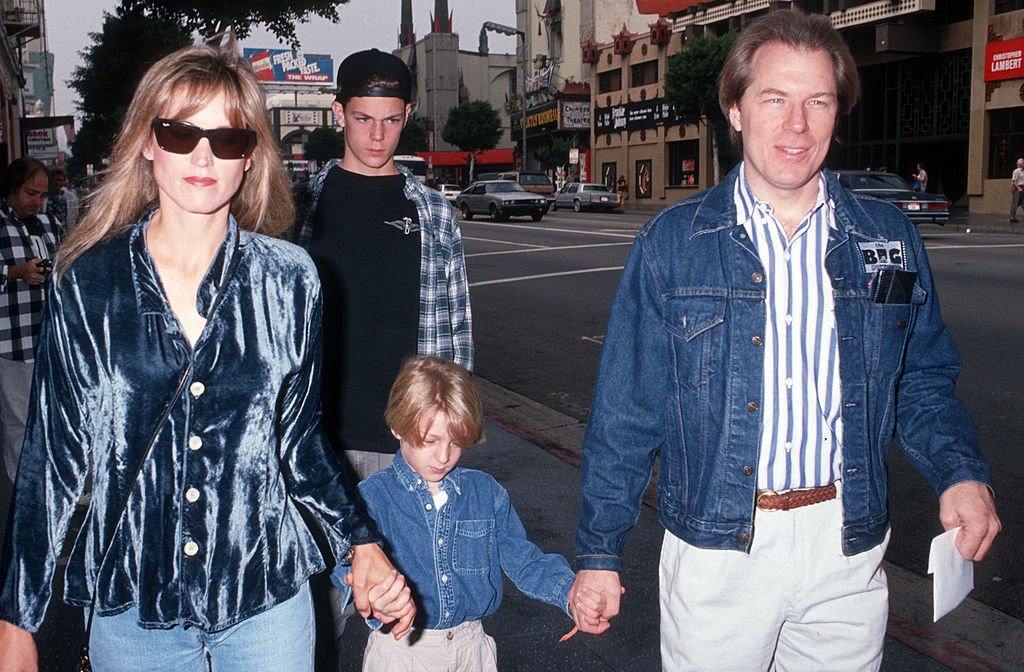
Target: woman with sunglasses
(177, 327)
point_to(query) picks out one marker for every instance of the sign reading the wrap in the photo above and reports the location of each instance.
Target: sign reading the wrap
(287, 65)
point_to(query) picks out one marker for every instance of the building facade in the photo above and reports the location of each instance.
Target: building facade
(942, 85)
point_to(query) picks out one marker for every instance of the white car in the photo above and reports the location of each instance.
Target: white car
(450, 191)
(585, 196)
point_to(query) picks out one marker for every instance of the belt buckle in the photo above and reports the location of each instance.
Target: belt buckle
(764, 493)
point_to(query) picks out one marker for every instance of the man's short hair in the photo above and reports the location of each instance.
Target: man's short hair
(426, 386)
(811, 32)
(374, 74)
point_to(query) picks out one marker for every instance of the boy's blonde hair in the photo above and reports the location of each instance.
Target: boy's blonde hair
(427, 385)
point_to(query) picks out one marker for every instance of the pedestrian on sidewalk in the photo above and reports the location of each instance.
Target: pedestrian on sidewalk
(770, 337)
(1016, 190)
(452, 531)
(180, 350)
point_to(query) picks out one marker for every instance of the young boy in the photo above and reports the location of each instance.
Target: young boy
(450, 530)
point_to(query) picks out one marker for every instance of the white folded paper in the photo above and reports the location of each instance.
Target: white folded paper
(952, 575)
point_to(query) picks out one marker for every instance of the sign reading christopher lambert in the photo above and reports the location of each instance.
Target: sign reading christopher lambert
(1004, 60)
(286, 65)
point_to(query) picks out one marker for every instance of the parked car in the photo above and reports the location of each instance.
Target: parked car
(500, 199)
(449, 191)
(586, 195)
(919, 207)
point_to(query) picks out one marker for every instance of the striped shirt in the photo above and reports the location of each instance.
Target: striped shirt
(801, 427)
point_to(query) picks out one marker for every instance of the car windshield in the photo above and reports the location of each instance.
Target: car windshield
(594, 187)
(873, 181)
(502, 187)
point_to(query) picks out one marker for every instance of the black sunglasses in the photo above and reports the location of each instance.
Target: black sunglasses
(180, 137)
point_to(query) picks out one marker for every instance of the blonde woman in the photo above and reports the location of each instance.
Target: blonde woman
(180, 349)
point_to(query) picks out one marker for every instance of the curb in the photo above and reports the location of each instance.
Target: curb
(974, 637)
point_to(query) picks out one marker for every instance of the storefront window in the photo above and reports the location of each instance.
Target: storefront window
(609, 81)
(1006, 138)
(644, 179)
(683, 163)
(609, 175)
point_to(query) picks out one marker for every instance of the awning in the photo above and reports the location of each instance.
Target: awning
(488, 157)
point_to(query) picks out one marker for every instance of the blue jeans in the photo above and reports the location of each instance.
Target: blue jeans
(280, 638)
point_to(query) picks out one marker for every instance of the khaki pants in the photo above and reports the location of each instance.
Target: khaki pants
(794, 603)
(464, 648)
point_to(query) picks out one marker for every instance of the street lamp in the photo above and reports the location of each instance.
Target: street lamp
(507, 30)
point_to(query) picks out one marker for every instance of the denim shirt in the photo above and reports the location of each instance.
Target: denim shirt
(454, 557)
(445, 319)
(212, 533)
(681, 374)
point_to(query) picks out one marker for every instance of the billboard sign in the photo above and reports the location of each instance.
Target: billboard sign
(289, 66)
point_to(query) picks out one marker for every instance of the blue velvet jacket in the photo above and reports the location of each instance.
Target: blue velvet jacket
(212, 533)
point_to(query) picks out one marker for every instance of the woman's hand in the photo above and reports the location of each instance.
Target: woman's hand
(17, 649)
(380, 590)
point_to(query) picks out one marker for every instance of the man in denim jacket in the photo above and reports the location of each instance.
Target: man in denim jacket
(769, 338)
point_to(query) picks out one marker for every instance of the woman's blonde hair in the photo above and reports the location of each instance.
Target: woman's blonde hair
(191, 76)
(428, 385)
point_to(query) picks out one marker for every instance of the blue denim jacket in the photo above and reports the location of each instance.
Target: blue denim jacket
(681, 375)
(213, 533)
(454, 558)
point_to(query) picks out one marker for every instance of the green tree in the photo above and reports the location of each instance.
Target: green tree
(127, 44)
(555, 152)
(414, 138)
(210, 18)
(324, 144)
(473, 127)
(691, 85)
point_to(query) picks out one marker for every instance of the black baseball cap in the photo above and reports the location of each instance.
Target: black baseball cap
(374, 73)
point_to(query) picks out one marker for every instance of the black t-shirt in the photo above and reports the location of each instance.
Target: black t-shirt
(370, 272)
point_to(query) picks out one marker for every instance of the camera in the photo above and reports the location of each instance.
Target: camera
(45, 264)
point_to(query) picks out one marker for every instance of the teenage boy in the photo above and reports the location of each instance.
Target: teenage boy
(390, 259)
(389, 254)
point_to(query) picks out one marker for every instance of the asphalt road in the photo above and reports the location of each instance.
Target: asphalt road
(541, 295)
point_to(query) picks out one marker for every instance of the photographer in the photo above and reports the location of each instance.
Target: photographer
(27, 244)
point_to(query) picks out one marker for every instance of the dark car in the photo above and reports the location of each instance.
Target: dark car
(500, 199)
(919, 207)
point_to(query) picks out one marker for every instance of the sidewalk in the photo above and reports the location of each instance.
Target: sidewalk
(534, 452)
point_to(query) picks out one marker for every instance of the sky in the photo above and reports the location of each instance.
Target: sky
(364, 24)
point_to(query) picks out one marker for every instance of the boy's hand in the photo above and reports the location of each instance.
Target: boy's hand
(600, 582)
(379, 590)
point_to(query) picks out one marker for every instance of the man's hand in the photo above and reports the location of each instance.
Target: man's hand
(595, 587)
(970, 505)
(30, 272)
(379, 590)
(17, 649)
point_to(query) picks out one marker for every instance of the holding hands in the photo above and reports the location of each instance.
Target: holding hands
(380, 590)
(594, 599)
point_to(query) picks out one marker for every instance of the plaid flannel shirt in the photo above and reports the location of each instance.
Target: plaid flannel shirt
(445, 325)
(21, 304)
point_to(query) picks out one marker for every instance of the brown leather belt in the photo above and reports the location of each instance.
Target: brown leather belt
(794, 499)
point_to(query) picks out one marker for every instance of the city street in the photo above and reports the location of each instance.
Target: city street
(541, 294)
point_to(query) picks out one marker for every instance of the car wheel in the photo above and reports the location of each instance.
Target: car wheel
(576, 206)
(495, 217)
(537, 216)
(466, 214)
